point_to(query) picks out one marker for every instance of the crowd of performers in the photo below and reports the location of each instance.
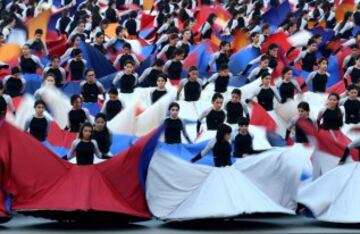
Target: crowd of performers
(171, 47)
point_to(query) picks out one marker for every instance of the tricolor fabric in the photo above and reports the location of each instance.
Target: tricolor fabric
(43, 184)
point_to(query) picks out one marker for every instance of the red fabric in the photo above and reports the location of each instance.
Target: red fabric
(259, 117)
(277, 38)
(59, 137)
(326, 141)
(338, 88)
(55, 44)
(39, 180)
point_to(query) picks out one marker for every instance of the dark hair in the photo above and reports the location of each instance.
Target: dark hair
(272, 46)
(1, 85)
(322, 59)
(216, 96)
(75, 52)
(222, 130)
(285, 70)
(74, 98)
(264, 57)
(39, 102)
(159, 62)
(179, 52)
(84, 125)
(173, 36)
(128, 62)
(243, 121)
(106, 129)
(99, 34)
(54, 57)
(113, 91)
(264, 75)
(105, 21)
(39, 31)
(50, 75)
(352, 87)
(335, 95)
(223, 67)
(15, 70)
(89, 70)
(163, 76)
(127, 45)
(119, 29)
(210, 19)
(174, 104)
(355, 46)
(193, 68)
(236, 91)
(304, 105)
(311, 41)
(133, 14)
(224, 43)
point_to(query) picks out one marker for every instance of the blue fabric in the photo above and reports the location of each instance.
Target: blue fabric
(71, 88)
(106, 81)
(275, 139)
(93, 108)
(241, 59)
(96, 60)
(276, 15)
(33, 83)
(333, 70)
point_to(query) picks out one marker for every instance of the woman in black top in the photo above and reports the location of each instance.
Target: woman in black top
(5, 102)
(126, 78)
(206, 29)
(221, 79)
(287, 85)
(77, 115)
(28, 62)
(160, 90)
(174, 126)
(14, 84)
(149, 76)
(215, 116)
(102, 134)
(308, 56)
(38, 125)
(243, 141)
(235, 108)
(113, 105)
(220, 147)
(320, 77)
(84, 148)
(76, 66)
(266, 93)
(331, 117)
(192, 86)
(352, 105)
(222, 56)
(91, 88)
(354, 73)
(303, 115)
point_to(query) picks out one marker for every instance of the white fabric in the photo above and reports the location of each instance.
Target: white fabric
(178, 190)
(59, 105)
(279, 172)
(300, 38)
(287, 110)
(317, 101)
(334, 196)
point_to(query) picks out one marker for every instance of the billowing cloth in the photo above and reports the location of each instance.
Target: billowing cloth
(280, 172)
(333, 196)
(177, 190)
(43, 184)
